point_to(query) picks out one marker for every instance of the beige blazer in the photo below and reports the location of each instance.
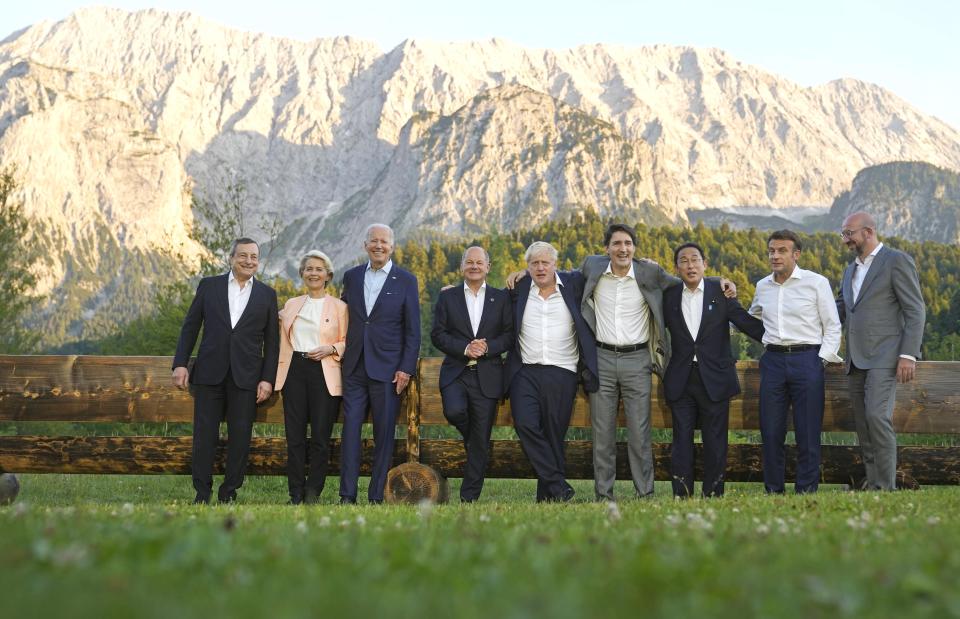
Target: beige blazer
(333, 331)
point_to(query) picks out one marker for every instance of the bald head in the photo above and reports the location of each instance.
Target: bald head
(859, 233)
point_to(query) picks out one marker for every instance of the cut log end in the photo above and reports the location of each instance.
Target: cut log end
(413, 483)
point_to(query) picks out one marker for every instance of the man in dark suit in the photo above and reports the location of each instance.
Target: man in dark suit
(701, 376)
(882, 310)
(236, 365)
(383, 343)
(473, 326)
(554, 350)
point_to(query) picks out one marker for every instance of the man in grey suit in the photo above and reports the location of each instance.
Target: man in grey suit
(882, 310)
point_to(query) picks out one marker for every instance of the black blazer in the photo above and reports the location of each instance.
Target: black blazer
(452, 332)
(389, 338)
(250, 350)
(572, 292)
(712, 346)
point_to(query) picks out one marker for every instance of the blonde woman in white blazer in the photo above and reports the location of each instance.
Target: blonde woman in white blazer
(313, 331)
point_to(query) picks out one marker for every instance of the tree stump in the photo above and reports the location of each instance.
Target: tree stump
(413, 483)
(9, 488)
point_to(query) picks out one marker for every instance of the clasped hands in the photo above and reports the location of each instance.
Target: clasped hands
(476, 349)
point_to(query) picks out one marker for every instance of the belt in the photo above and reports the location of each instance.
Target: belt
(303, 355)
(472, 368)
(630, 348)
(794, 348)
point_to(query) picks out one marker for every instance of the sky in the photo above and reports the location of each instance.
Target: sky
(910, 48)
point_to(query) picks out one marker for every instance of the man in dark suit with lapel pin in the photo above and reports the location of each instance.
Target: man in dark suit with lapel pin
(473, 326)
(702, 374)
(235, 368)
(554, 351)
(383, 344)
(882, 310)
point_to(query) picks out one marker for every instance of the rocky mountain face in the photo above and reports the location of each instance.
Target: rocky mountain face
(114, 119)
(912, 200)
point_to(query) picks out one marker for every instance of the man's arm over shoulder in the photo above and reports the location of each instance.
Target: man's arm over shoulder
(906, 287)
(742, 319)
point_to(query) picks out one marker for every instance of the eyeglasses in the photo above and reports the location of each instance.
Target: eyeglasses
(848, 233)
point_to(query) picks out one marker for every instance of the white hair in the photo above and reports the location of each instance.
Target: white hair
(319, 255)
(366, 235)
(539, 247)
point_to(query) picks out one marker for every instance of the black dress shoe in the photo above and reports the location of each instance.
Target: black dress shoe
(566, 495)
(227, 498)
(348, 500)
(201, 499)
(375, 501)
(311, 497)
(296, 500)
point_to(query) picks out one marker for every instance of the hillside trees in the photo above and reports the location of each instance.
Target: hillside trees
(18, 250)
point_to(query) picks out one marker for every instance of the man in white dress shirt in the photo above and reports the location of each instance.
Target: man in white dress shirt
(883, 312)
(553, 351)
(801, 335)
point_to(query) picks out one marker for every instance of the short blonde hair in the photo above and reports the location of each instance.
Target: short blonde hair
(539, 247)
(319, 255)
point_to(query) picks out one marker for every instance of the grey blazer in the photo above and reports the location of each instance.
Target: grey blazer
(652, 281)
(887, 319)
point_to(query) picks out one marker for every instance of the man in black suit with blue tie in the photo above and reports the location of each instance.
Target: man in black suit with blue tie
(473, 326)
(702, 374)
(553, 352)
(236, 365)
(383, 344)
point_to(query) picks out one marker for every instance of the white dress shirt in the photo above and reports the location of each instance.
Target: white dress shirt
(306, 328)
(623, 317)
(691, 303)
(802, 310)
(373, 281)
(475, 304)
(547, 335)
(237, 296)
(861, 271)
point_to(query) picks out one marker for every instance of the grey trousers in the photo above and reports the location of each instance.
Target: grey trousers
(625, 375)
(873, 394)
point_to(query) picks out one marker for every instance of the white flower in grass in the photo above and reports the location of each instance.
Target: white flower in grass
(425, 509)
(126, 509)
(613, 511)
(933, 520)
(483, 518)
(673, 519)
(763, 529)
(301, 527)
(361, 520)
(344, 523)
(325, 521)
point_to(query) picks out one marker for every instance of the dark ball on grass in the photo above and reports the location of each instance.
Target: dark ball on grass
(9, 488)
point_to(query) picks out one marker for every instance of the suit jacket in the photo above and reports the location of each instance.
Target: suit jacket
(718, 368)
(572, 293)
(652, 281)
(388, 339)
(887, 318)
(452, 332)
(333, 332)
(249, 350)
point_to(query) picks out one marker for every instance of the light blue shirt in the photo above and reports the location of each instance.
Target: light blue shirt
(373, 281)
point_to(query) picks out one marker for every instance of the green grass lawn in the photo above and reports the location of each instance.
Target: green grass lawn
(95, 546)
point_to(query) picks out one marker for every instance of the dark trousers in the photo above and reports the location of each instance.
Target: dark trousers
(307, 399)
(361, 392)
(212, 404)
(791, 379)
(473, 414)
(692, 407)
(541, 401)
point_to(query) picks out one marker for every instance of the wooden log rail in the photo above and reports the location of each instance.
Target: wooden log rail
(86, 389)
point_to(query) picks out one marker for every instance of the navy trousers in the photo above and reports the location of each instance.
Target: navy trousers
(791, 379)
(361, 392)
(473, 414)
(541, 401)
(692, 407)
(211, 404)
